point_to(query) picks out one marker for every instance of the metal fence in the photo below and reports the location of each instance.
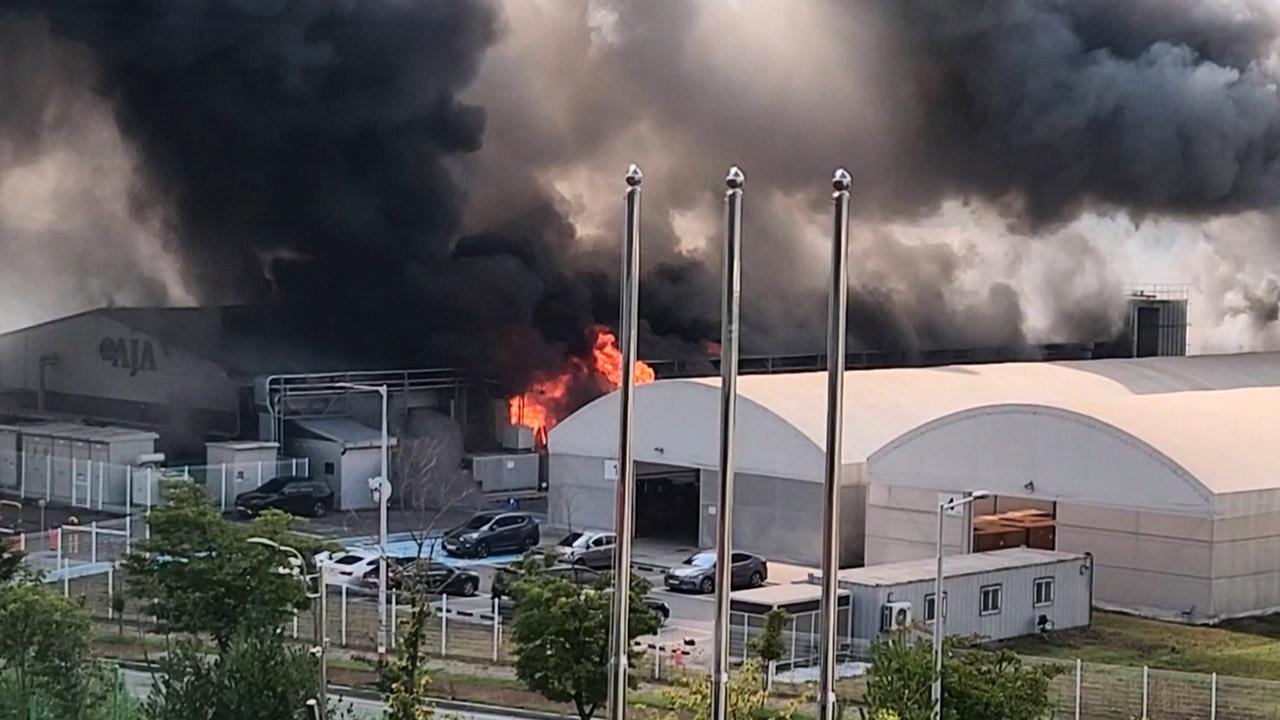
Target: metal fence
(125, 488)
(470, 629)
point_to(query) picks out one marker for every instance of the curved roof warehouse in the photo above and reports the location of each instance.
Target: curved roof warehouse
(1166, 469)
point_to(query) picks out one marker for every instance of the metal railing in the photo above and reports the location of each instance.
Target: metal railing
(470, 629)
(124, 488)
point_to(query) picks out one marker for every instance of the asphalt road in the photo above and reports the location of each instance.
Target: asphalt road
(138, 683)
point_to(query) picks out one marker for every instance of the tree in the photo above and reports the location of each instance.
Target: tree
(405, 681)
(748, 700)
(10, 562)
(976, 684)
(253, 677)
(562, 633)
(45, 654)
(769, 645)
(433, 485)
(198, 573)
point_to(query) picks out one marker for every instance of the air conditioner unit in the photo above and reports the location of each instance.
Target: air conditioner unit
(895, 616)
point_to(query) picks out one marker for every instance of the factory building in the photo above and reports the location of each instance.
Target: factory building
(1161, 467)
(210, 374)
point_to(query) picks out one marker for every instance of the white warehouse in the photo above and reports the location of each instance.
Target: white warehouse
(1165, 469)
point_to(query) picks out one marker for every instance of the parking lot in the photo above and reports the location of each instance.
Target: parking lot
(691, 614)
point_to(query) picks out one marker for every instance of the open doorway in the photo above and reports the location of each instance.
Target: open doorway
(667, 505)
(1001, 521)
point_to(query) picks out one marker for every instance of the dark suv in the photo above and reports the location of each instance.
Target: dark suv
(493, 532)
(294, 495)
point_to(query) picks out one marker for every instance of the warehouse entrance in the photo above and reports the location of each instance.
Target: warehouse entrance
(1002, 521)
(667, 503)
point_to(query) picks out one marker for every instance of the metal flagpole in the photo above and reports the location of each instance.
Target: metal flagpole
(835, 430)
(619, 643)
(728, 413)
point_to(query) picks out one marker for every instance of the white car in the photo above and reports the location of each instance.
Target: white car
(346, 567)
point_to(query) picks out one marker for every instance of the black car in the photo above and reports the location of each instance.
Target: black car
(576, 574)
(294, 495)
(439, 579)
(493, 532)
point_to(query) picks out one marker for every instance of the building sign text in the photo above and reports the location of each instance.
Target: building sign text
(135, 354)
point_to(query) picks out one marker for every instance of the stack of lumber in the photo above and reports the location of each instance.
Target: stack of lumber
(1020, 528)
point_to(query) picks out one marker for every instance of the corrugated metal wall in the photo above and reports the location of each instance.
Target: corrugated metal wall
(1018, 613)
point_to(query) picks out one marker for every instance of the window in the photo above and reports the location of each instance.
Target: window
(991, 596)
(1043, 591)
(508, 521)
(329, 468)
(930, 607)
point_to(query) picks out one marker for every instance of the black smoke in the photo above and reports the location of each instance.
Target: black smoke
(317, 157)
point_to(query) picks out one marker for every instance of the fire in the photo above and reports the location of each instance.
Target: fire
(550, 397)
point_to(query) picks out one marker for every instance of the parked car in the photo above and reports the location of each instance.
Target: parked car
(347, 568)
(491, 532)
(589, 549)
(698, 572)
(294, 495)
(579, 575)
(440, 579)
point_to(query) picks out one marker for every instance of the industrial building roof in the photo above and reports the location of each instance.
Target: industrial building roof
(344, 430)
(880, 405)
(1224, 439)
(953, 566)
(781, 594)
(87, 433)
(1200, 412)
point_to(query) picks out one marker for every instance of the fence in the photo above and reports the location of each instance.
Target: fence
(1110, 692)
(801, 640)
(125, 488)
(469, 629)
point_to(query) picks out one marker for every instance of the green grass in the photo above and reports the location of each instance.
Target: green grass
(1244, 648)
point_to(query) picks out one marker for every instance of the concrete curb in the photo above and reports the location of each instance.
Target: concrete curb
(373, 695)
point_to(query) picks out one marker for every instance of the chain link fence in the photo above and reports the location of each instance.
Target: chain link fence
(108, 487)
(471, 629)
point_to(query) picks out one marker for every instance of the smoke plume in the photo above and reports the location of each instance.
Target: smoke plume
(440, 180)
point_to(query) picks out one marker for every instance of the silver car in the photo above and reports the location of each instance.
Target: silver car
(589, 549)
(698, 572)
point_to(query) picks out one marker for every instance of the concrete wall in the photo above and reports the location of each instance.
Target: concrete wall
(1156, 564)
(778, 518)
(1246, 565)
(579, 496)
(781, 519)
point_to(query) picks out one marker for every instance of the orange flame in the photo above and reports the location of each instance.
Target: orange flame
(545, 401)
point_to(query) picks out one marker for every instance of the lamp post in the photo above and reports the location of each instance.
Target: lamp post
(625, 492)
(836, 331)
(322, 641)
(943, 508)
(729, 326)
(382, 489)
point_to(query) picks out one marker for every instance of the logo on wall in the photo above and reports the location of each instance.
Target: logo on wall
(138, 355)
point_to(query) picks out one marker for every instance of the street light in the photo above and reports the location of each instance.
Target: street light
(321, 613)
(943, 508)
(381, 489)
